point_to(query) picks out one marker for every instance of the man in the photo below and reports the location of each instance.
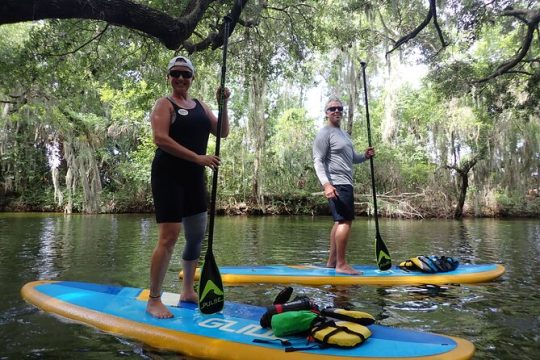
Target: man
(334, 156)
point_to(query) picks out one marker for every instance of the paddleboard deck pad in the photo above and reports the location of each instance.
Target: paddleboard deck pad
(225, 335)
(370, 275)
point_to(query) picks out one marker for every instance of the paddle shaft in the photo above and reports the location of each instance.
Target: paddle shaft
(384, 261)
(211, 297)
(213, 196)
(369, 144)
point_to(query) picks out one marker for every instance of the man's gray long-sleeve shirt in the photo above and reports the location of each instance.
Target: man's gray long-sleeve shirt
(334, 155)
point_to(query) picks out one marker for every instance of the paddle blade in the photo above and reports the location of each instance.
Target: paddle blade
(384, 262)
(283, 296)
(211, 295)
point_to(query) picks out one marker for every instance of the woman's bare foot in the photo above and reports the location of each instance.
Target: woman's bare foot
(156, 308)
(189, 296)
(330, 265)
(347, 269)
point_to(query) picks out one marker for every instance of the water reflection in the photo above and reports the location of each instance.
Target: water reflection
(44, 265)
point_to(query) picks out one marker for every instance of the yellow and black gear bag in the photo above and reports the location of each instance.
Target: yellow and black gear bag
(338, 333)
(354, 316)
(430, 264)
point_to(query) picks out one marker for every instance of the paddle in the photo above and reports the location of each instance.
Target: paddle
(384, 262)
(211, 295)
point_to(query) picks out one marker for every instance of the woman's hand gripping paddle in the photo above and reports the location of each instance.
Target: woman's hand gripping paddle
(384, 262)
(211, 295)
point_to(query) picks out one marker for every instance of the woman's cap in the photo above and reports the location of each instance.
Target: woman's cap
(180, 61)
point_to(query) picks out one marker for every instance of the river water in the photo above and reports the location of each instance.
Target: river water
(501, 318)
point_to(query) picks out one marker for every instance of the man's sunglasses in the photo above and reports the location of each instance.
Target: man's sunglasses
(335, 108)
(177, 73)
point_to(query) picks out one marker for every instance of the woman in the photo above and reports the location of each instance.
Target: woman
(181, 126)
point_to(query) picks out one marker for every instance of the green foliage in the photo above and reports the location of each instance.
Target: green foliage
(89, 87)
(415, 176)
(236, 170)
(513, 204)
(290, 153)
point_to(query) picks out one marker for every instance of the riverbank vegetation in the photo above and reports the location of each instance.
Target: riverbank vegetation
(453, 97)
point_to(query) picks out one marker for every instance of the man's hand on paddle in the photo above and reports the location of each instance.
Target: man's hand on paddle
(369, 153)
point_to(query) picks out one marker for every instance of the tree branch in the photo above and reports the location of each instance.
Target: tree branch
(432, 14)
(466, 166)
(531, 18)
(215, 39)
(83, 45)
(438, 28)
(171, 32)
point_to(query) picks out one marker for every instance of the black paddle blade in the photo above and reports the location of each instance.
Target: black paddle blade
(384, 262)
(211, 295)
(283, 296)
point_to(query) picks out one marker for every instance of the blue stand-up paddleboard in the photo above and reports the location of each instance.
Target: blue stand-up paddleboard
(370, 275)
(225, 335)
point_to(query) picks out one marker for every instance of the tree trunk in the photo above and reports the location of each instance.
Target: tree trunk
(257, 133)
(458, 213)
(393, 83)
(352, 86)
(463, 174)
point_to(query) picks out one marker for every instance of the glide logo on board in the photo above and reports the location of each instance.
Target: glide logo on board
(231, 326)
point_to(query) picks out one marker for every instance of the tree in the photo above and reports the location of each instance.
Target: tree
(173, 32)
(463, 174)
(271, 49)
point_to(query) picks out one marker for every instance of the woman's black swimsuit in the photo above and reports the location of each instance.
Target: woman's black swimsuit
(178, 185)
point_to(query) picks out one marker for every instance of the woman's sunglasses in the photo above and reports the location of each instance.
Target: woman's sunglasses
(177, 73)
(335, 108)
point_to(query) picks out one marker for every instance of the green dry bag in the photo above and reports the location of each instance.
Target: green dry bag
(292, 322)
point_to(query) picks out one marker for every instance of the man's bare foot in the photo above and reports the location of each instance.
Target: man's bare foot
(347, 269)
(331, 262)
(156, 308)
(189, 296)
